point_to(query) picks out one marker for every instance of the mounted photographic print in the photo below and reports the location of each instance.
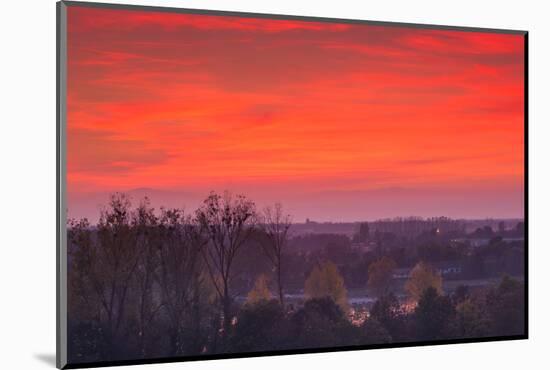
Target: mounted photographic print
(235, 184)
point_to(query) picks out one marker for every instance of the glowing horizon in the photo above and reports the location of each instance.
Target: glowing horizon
(337, 121)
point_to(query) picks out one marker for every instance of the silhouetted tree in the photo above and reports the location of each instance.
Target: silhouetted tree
(260, 291)
(433, 315)
(471, 320)
(228, 223)
(373, 332)
(364, 233)
(115, 264)
(387, 311)
(275, 224)
(179, 272)
(261, 326)
(461, 293)
(86, 341)
(321, 323)
(81, 256)
(506, 307)
(145, 226)
(325, 281)
(423, 276)
(381, 276)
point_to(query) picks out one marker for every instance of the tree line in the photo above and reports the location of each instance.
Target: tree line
(145, 284)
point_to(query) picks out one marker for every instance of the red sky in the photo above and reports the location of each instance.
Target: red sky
(340, 122)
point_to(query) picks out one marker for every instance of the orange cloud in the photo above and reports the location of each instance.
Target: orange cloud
(296, 110)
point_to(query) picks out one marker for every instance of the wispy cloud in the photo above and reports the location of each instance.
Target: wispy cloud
(189, 102)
